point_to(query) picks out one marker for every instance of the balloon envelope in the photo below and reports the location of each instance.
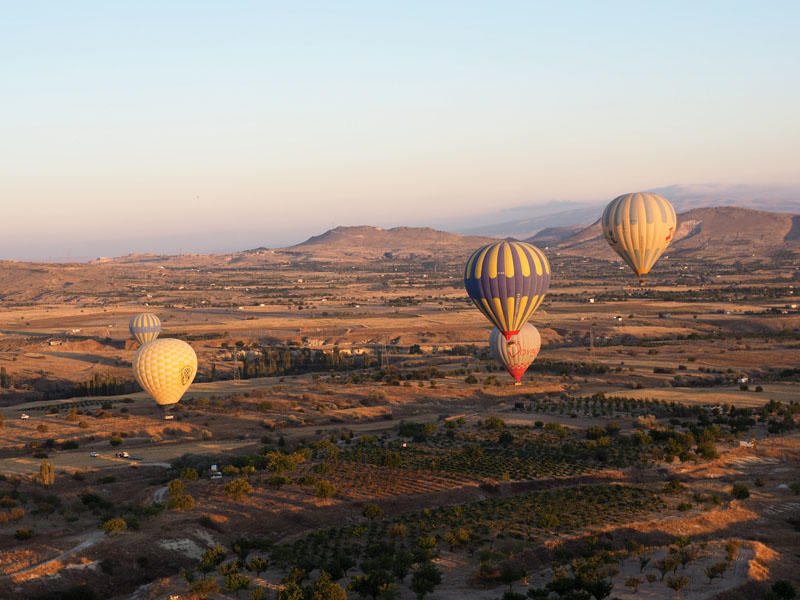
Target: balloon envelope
(165, 369)
(516, 354)
(639, 227)
(145, 327)
(507, 281)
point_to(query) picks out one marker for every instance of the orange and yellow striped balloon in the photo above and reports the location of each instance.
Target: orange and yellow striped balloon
(165, 368)
(639, 227)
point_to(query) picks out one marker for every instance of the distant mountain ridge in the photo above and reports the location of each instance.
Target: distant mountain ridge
(527, 221)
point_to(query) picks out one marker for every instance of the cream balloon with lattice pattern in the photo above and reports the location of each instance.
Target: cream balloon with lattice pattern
(165, 368)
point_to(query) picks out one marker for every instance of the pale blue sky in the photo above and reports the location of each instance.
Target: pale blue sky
(232, 124)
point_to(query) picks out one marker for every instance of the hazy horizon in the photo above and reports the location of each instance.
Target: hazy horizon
(203, 127)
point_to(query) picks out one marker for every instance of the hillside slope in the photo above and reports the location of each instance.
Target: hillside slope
(724, 234)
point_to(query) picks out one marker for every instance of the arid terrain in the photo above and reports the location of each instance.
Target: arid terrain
(358, 427)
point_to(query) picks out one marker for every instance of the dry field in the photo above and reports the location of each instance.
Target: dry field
(673, 359)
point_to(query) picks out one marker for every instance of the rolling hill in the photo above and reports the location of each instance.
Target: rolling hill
(723, 234)
(365, 242)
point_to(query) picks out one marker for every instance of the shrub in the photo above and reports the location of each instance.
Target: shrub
(740, 491)
(425, 579)
(115, 525)
(398, 530)
(23, 534)
(495, 423)
(116, 440)
(277, 481)
(324, 489)
(372, 510)
(674, 486)
(716, 570)
(189, 474)
(238, 488)
(182, 502)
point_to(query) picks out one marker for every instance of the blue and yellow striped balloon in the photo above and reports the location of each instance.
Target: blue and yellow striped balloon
(507, 281)
(145, 327)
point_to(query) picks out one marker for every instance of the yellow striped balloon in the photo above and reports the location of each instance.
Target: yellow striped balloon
(639, 227)
(165, 369)
(507, 281)
(145, 327)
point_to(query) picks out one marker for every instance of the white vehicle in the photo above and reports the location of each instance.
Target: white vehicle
(169, 417)
(93, 454)
(24, 416)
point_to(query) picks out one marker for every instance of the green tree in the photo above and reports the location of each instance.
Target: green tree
(322, 588)
(324, 489)
(258, 593)
(291, 591)
(425, 579)
(401, 563)
(740, 491)
(175, 487)
(277, 481)
(715, 570)
(372, 511)
(115, 525)
(633, 583)
(677, 582)
(211, 559)
(370, 584)
(238, 488)
(189, 474)
(236, 582)
(47, 472)
(510, 572)
(257, 565)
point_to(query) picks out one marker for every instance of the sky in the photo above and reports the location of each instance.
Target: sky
(210, 126)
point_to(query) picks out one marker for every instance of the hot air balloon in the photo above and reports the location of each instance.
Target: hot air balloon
(165, 369)
(516, 354)
(639, 227)
(145, 327)
(507, 281)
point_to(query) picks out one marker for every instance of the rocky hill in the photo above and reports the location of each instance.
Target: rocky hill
(724, 234)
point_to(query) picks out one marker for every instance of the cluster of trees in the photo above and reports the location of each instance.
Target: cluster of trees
(269, 361)
(381, 572)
